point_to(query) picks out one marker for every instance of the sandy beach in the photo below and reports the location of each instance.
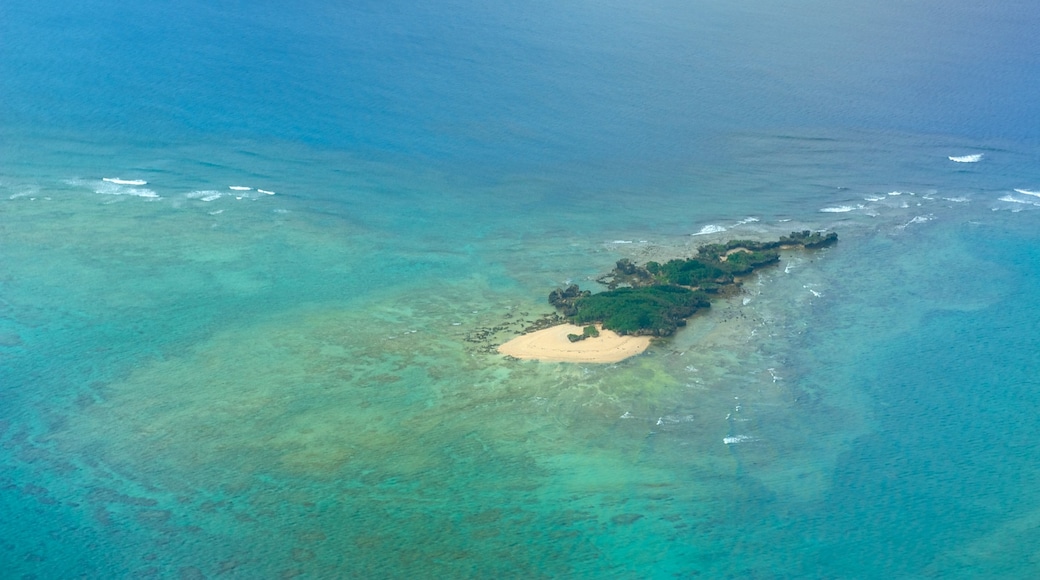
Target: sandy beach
(551, 344)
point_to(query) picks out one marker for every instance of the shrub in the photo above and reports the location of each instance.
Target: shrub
(656, 310)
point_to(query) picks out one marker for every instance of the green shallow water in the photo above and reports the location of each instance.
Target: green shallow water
(260, 388)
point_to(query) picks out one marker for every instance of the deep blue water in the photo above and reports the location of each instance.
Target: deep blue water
(199, 381)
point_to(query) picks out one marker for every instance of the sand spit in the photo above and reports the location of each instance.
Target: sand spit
(551, 345)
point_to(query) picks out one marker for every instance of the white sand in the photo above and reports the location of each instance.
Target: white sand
(551, 344)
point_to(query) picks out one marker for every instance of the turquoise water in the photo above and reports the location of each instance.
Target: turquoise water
(198, 381)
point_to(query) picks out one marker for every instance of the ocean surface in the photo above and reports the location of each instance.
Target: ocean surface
(255, 259)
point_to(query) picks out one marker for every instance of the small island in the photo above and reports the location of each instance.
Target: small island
(652, 300)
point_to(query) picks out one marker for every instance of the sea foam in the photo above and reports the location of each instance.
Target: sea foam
(841, 208)
(204, 195)
(918, 220)
(1011, 199)
(710, 229)
(1028, 192)
(107, 187)
(119, 181)
(966, 158)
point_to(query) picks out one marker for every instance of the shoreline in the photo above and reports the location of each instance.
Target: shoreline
(552, 345)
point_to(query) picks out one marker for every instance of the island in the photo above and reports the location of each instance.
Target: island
(650, 300)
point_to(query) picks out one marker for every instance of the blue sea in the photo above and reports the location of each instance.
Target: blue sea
(255, 259)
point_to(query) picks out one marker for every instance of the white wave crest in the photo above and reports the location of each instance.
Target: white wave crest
(239, 188)
(1028, 192)
(119, 181)
(30, 191)
(748, 220)
(874, 198)
(671, 419)
(112, 188)
(204, 195)
(966, 158)
(1012, 199)
(710, 229)
(841, 209)
(918, 220)
(958, 199)
(738, 439)
(265, 191)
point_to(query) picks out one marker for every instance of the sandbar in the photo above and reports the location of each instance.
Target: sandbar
(551, 345)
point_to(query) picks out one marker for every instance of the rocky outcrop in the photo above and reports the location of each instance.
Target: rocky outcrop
(565, 300)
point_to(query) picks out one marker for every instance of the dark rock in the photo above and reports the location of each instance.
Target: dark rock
(565, 299)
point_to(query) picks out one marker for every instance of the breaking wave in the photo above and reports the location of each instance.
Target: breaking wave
(918, 220)
(841, 209)
(115, 186)
(204, 195)
(119, 181)
(710, 229)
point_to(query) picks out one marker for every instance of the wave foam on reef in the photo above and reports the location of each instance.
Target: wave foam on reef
(841, 209)
(1012, 199)
(918, 220)
(25, 191)
(204, 195)
(709, 229)
(119, 181)
(110, 186)
(966, 158)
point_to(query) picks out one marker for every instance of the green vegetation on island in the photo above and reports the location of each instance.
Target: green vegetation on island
(656, 299)
(656, 310)
(589, 331)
